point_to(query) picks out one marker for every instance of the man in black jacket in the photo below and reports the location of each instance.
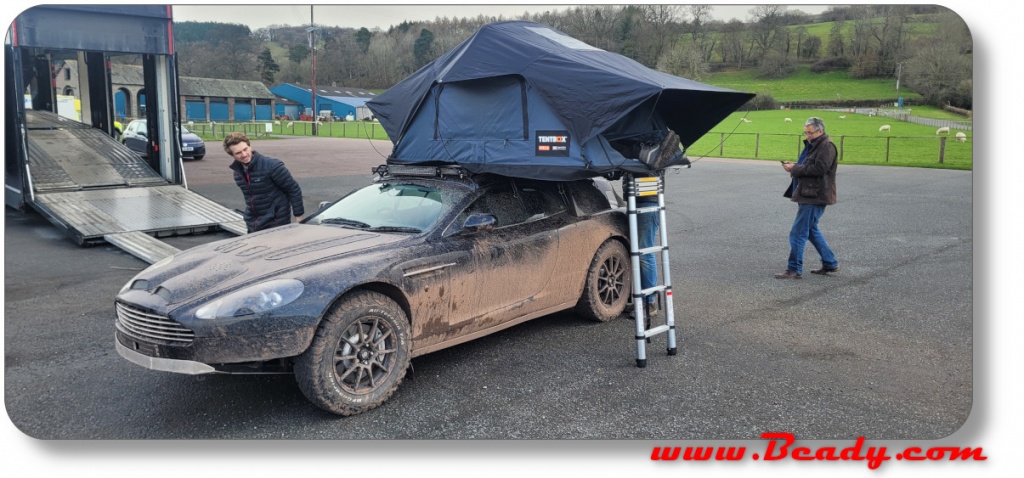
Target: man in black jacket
(271, 194)
(813, 187)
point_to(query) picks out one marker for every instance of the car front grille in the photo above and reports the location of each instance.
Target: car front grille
(147, 325)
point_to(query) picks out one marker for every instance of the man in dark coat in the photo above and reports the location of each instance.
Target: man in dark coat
(813, 187)
(271, 194)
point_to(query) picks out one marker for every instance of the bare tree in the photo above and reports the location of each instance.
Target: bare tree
(700, 30)
(836, 44)
(594, 25)
(766, 27)
(731, 47)
(684, 59)
(939, 67)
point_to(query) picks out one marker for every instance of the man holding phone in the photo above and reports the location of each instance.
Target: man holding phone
(813, 186)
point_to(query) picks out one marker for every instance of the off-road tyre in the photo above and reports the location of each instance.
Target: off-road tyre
(607, 287)
(359, 355)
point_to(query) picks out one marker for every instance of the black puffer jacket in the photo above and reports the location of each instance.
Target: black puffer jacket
(271, 194)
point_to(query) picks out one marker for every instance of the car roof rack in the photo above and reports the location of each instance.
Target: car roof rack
(397, 170)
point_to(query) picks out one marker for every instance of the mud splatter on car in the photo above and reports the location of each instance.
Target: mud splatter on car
(413, 263)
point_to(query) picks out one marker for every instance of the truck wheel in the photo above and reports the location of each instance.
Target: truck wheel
(358, 357)
(608, 283)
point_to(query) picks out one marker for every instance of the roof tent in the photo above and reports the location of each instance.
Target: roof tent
(524, 100)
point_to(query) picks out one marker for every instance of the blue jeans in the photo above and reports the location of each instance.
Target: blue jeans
(805, 228)
(647, 233)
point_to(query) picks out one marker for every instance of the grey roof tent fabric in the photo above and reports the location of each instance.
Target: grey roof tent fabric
(524, 100)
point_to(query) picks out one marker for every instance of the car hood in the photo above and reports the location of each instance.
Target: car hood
(191, 138)
(227, 264)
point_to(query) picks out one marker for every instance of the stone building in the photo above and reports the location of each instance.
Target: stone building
(201, 99)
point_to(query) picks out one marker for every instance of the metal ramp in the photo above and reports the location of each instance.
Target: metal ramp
(96, 189)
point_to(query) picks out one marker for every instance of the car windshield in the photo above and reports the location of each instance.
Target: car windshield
(390, 207)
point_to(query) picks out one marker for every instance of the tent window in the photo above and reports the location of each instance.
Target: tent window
(490, 109)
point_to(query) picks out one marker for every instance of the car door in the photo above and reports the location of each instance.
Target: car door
(513, 261)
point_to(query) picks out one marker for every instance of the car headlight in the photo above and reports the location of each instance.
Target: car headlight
(156, 265)
(251, 300)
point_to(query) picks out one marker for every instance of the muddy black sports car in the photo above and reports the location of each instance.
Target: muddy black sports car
(422, 259)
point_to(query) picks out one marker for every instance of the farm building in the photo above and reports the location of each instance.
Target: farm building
(335, 101)
(202, 99)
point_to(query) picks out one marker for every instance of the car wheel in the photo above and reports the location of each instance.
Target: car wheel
(358, 357)
(608, 283)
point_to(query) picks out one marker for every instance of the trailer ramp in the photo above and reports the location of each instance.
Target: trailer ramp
(96, 189)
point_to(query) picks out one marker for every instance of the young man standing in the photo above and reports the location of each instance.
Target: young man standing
(271, 194)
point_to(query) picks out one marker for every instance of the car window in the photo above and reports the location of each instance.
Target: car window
(590, 199)
(392, 206)
(500, 203)
(541, 201)
(515, 203)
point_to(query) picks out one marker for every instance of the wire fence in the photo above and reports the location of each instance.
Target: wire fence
(257, 129)
(919, 151)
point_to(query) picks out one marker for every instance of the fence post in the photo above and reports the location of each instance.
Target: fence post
(888, 139)
(757, 144)
(942, 149)
(842, 141)
(721, 145)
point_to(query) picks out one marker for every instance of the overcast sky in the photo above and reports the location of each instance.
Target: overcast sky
(257, 15)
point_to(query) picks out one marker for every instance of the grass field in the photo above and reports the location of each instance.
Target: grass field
(803, 85)
(768, 136)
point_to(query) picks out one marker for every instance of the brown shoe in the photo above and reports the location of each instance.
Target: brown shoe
(824, 271)
(668, 149)
(788, 275)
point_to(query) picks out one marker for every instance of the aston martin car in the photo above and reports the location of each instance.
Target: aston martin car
(422, 259)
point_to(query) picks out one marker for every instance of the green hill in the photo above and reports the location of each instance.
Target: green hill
(803, 85)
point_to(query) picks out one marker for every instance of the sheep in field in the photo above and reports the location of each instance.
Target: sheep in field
(842, 117)
(746, 120)
(289, 125)
(788, 120)
(944, 129)
(961, 137)
(277, 121)
(884, 127)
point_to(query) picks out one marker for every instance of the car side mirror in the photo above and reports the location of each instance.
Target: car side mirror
(479, 222)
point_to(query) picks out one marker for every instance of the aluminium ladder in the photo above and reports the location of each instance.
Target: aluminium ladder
(633, 188)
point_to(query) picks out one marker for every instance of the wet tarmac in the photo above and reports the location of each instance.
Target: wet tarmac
(882, 349)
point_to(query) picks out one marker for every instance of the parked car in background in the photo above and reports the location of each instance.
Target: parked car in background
(416, 262)
(135, 138)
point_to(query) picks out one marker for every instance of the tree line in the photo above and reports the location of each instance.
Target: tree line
(927, 47)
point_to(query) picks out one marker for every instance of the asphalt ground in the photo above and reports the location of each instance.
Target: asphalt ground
(882, 349)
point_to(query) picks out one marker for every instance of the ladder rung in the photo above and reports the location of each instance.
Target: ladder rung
(641, 210)
(657, 288)
(651, 250)
(656, 330)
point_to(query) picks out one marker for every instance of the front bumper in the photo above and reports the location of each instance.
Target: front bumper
(162, 364)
